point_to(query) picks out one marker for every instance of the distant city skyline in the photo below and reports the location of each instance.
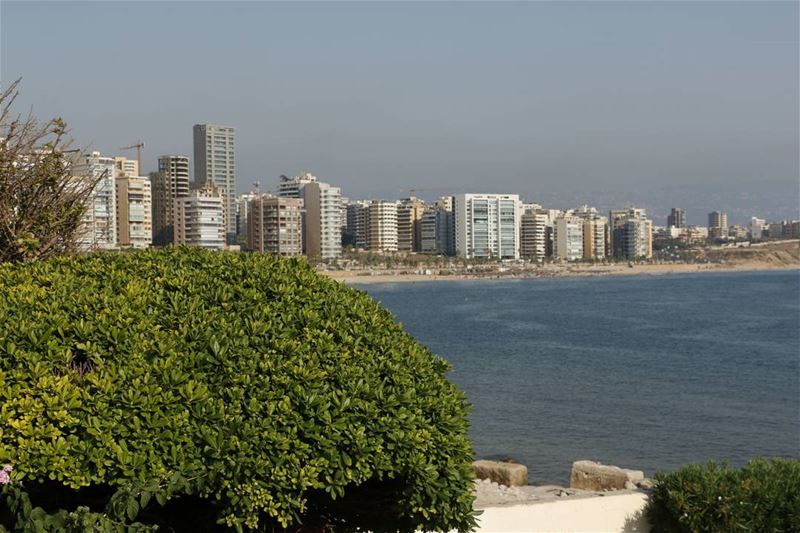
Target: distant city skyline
(658, 104)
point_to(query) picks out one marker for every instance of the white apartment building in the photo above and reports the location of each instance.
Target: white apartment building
(568, 238)
(487, 226)
(215, 161)
(200, 218)
(322, 220)
(99, 227)
(134, 212)
(757, 227)
(383, 226)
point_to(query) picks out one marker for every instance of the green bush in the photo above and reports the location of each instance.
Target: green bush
(199, 391)
(760, 497)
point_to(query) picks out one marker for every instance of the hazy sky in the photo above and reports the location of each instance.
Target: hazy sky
(686, 103)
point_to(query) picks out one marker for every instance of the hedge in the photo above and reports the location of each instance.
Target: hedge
(762, 496)
(201, 391)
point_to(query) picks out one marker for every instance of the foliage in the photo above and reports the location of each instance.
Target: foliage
(182, 388)
(41, 204)
(762, 496)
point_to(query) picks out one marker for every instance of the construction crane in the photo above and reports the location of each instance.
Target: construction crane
(139, 145)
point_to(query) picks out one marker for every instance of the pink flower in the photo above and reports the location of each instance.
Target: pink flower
(5, 479)
(7, 468)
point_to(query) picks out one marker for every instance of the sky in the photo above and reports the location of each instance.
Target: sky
(658, 104)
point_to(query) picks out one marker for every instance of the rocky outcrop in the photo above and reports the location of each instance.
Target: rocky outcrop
(589, 475)
(508, 474)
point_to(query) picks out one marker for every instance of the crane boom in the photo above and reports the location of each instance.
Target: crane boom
(139, 145)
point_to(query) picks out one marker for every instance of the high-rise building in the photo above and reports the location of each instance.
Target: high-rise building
(275, 225)
(568, 238)
(200, 217)
(487, 226)
(126, 167)
(168, 184)
(134, 211)
(676, 218)
(409, 231)
(630, 233)
(99, 225)
(383, 226)
(533, 233)
(242, 212)
(717, 224)
(595, 235)
(215, 161)
(322, 220)
(757, 227)
(358, 222)
(437, 231)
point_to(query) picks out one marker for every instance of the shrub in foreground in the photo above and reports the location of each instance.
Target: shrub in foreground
(762, 496)
(198, 391)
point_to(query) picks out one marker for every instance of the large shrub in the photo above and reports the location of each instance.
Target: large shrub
(198, 391)
(762, 496)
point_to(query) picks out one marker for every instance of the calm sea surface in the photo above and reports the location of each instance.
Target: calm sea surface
(642, 372)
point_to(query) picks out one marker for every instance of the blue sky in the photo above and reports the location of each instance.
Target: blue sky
(660, 103)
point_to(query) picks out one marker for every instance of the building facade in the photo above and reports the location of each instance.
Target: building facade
(676, 218)
(99, 226)
(275, 225)
(487, 226)
(134, 212)
(717, 224)
(169, 183)
(383, 226)
(437, 231)
(358, 223)
(568, 238)
(215, 161)
(200, 218)
(409, 230)
(630, 233)
(322, 220)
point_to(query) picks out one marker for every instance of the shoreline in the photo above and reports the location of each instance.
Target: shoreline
(556, 271)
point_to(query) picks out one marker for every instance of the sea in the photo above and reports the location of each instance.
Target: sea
(643, 372)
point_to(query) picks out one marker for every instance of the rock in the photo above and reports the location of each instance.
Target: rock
(508, 474)
(634, 476)
(646, 484)
(630, 486)
(589, 475)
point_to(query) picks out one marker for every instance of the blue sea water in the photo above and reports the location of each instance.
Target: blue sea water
(644, 372)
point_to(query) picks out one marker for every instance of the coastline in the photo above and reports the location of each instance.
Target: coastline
(555, 271)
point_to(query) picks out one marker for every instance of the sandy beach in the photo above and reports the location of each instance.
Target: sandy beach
(387, 276)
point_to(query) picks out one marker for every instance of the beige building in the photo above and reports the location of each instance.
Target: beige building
(382, 226)
(409, 228)
(595, 232)
(322, 221)
(126, 167)
(168, 184)
(275, 225)
(200, 218)
(134, 212)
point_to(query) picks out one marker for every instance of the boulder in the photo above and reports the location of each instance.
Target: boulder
(589, 475)
(634, 476)
(508, 474)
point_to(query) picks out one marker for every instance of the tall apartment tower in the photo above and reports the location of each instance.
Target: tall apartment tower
(630, 233)
(717, 224)
(200, 218)
(322, 221)
(99, 225)
(487, 226)
(568, 238)
(358, 222)
(409, 231)
(676, 218)
(437, 232)
(134, 212)
(275, 225)
(383, 226)
(167, 185)
(215, 161)
(533, 234)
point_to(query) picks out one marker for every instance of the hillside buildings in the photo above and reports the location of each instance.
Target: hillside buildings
(275, 225)
(200, 218)
(487, 226)
(215, 161)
